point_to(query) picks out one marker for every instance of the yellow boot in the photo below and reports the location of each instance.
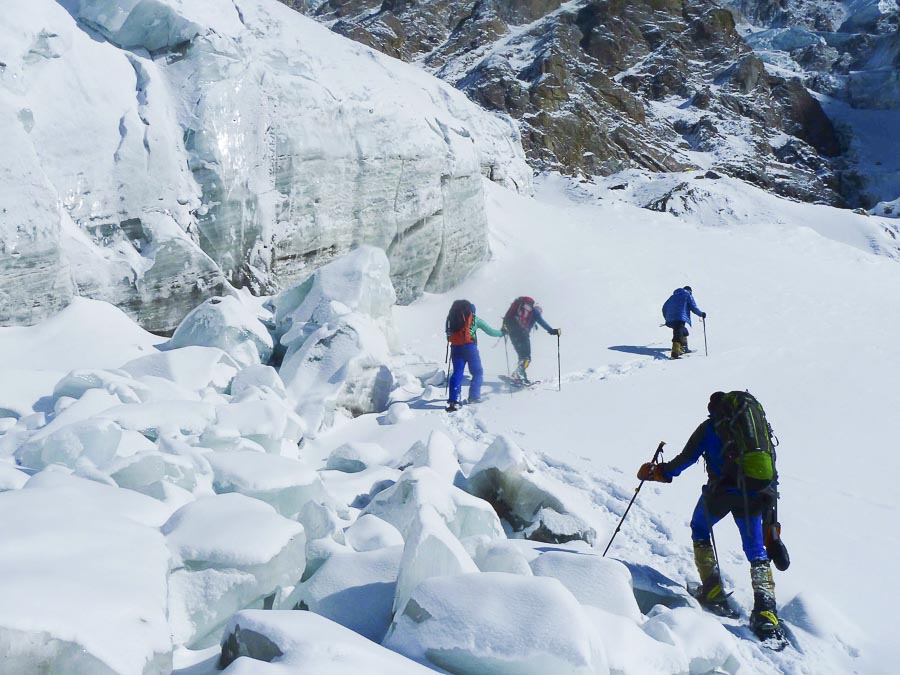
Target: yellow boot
(676, 349)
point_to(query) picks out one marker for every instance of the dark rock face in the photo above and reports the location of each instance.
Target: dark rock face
(599, 86)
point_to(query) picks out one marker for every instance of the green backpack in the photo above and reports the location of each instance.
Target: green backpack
(747, 440)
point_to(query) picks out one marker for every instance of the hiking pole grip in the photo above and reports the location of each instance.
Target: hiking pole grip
(656, 457)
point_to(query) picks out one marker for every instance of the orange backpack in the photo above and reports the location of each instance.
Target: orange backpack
(459, 323)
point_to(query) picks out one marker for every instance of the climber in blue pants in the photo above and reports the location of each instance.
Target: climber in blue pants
(461, 327)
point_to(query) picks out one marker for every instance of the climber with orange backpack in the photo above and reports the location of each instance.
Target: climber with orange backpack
(461, 327)
(521, 318)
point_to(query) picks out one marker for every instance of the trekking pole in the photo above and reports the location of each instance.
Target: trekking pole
(705, 348)
(558, 362)
(656, 457)
(447, 377)
(506, 351)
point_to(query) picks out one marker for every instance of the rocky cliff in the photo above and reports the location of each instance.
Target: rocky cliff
(602, 85)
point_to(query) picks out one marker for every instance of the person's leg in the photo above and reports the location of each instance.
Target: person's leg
(763, 618)
(522, 344)
(458, 359)
(707, 513)
(476, 370)
(676, 327)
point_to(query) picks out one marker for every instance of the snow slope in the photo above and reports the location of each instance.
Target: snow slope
(805, 323)
(241, 508)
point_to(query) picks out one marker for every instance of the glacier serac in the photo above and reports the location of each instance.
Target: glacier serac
(160, 151)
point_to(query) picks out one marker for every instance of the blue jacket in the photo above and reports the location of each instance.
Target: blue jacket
(679, 307)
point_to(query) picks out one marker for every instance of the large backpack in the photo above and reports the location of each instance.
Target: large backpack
(459, 323)
(747, 440)
(520, 313)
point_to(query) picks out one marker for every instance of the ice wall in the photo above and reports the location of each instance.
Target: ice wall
(162, 150)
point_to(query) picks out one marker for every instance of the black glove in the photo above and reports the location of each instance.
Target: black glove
(555, 331)
(702, 315)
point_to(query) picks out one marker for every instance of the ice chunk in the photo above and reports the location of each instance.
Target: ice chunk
(193, 368)
(225, 322)
(13, 479)
(430, 550)
(593, 580)
(439, 453)
(358, 489)
(232, 552)
(304, 643)
(399, 412)
(631, 650)
(170, 418)
(83, 582)
(703, 640)
(464, 514)
(534, 503)
(117, 383)
(356, 456)
(370, 533)
(497, 555)
(354, 589)
(267, 421)
(258, 378)
(95, 440)
(476, 624)
(284, 483)
(336, 328)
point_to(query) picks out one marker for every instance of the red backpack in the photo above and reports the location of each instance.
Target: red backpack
(459, 323)
(521, 313)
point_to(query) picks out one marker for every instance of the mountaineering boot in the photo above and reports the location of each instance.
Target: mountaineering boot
(684, 346)
(453, 406)
(519, 373)
(711, 595)
(676, 349)
(763, 619)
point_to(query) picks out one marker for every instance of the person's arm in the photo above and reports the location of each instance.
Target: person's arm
(693, 449)
(539, 319)
(481, 324)
(692, 304)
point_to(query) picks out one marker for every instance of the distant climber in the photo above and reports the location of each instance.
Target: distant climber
(736, 442)
(521, 318)
(462, 323)
(677, 314)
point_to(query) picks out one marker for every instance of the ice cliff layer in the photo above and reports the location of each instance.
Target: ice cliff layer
(158, 152)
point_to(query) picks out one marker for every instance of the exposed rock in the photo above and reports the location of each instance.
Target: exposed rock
(597, 85)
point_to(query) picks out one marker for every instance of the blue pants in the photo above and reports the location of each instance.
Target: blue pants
(749, 525)
(461, 356)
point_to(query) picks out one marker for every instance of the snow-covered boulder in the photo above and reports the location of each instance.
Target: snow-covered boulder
(226, 323)
(337, 330)
(497, 555)
(258, 378)
(531, 501)
(494, 623)
(231, 552)
(268, 147)
(356, 456)
(369, 533)
(83, 580)
(593, 580)
(284, 483)
(354, 589)
(266, 420)
(438, 453)
(430, 550)
(464, 514)
(193, 368)
(303, 643)
(708, 646)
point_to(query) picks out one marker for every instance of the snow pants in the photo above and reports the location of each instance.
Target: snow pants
(679, 332)
(521, 342)
(460, 357)
(715, 505)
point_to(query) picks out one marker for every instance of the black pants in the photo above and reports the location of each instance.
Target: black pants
(679, 332)
(520, 340)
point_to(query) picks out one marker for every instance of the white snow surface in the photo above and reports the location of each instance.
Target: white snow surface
(801, 311)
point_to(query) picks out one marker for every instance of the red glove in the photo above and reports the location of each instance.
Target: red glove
(652, 472)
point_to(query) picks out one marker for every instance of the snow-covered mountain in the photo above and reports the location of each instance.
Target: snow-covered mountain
(158, 152)
(848, 53)
(598, 87)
